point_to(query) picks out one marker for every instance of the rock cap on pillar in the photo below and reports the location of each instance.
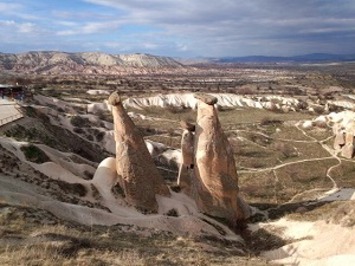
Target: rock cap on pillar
(114, 99)
(206, 98)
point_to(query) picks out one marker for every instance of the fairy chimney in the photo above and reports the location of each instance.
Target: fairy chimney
(141, 180)
(216, 180)
(187, 156)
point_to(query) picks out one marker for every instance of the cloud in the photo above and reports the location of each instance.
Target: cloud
(88, 28)
(237, 26)
(186, 27)
(9, 7)
(14, 26)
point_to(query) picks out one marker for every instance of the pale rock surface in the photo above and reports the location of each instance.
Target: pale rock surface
(343, 126)
(187, 156)
(98, 92)
(307, 124)
(216, 181)
(313, 243)
(141, 180)
(348, 150)
(187, 100)
(339, 141)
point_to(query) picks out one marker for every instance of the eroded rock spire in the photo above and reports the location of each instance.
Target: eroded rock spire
(140, 178)
(216, 180)
(187, 156)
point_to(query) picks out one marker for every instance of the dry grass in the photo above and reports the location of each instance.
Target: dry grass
(34, 237)
(254, 115)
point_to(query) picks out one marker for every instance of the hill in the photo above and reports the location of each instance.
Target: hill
(59, 62)
(307, 58)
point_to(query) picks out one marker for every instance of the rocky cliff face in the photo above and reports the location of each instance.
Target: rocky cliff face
(53, 62)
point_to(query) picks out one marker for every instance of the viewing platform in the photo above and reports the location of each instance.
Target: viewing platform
(9, 111)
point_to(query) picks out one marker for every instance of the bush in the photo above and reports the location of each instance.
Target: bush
(34, 154)
(172, 212)
(302, 105)
(78, 121)
(318, 109)
(270, 121)
(100, 136)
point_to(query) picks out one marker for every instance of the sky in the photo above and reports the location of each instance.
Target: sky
(179, 28)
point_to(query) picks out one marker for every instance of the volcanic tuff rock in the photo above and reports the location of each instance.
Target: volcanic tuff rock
(339, 141)
(349, 147)
(344, 131)
(216, 180)
(187, 156)
(140, 178)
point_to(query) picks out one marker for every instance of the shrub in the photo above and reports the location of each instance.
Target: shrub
(78, 121)
(117, 191)
(100, 136)
(34, 154)
(172, 212)
(302, 105)
(270, 121)
(318, 109)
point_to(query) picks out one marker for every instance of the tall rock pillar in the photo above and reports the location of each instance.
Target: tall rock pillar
(140, 178)
(187, 156)
(216, 179)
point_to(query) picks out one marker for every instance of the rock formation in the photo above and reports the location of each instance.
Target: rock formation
(215, 183)
(140, 178)
(344, 131)
(187, 155)
(347, 150)
(339, 140)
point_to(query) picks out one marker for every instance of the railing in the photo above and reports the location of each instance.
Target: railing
(9, 119)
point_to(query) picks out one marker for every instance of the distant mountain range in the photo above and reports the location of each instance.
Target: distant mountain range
(307, 58)
(102, 63)
(90, 62)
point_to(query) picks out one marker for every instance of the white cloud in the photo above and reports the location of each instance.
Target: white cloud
(9, 7)
(66, 32)
(240, 27)
(200, 27)
(7, 23)
(26, 27)
(89, 28)
(18, 27)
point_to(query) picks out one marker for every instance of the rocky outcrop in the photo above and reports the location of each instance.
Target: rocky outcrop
(140, 178)
(344, 131)
(90, 62)
(348, 150)
(215, 182)
(339, 141)
(187, 156)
